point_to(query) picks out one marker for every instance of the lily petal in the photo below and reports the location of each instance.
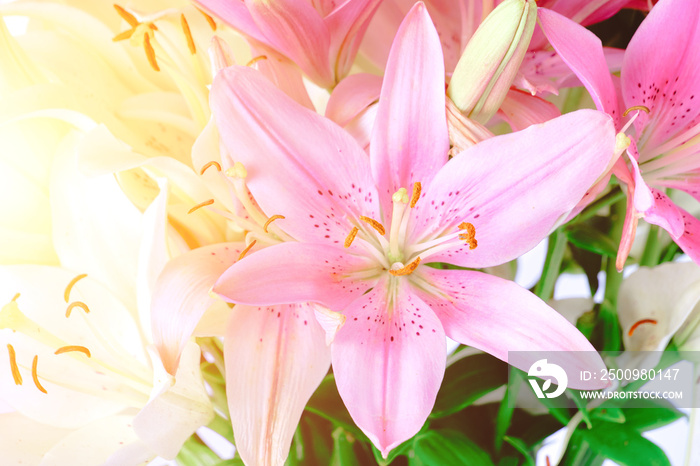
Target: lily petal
(296, 29)
(513, 208)
(401, 358)
(583, 52)
(87, 214)
(172, 416)
(409, 139)
(666, 83)
(652, 304)
(275, 359)
(269, 133)
(498, 316)
(293, 273)
(522, 109)
(689, 241)
(353, 95)
(181, 297)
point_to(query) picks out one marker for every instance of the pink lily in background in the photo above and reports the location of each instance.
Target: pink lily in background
(660, 89)
(322, 38)
(367, 227)
(539, 71)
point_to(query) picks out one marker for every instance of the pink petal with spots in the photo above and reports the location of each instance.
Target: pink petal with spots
(665, 214)
(296, 29)
(294, 273)
(583, 52)
(514, 188)
(499, 316)
(300, 165)
(389, 361)
(181, 297)
(690, 239)
(409, 140)
(660, 71)
(275, 359)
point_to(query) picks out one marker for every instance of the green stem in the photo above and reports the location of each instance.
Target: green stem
(613, 280)
(555, 254)
(652, 249)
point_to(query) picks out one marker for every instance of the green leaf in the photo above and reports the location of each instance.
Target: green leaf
(505, 410)
(196, 453)
(402, 449)
(522, 448)
(343, 453)
(232, 462)
(624, 445)
(653, 414)
(438, 447)
(467, 380)
(587, 237)
(609, 413)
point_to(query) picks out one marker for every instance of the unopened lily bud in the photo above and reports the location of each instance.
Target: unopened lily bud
(492, 58)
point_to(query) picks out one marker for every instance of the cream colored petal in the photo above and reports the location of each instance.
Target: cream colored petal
(24, 441)
(79, 388)
(176, 411)
(108, 442)
(659, 295)
(96, 230)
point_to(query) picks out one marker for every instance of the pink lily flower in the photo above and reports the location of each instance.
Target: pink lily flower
(662, 92)
(322, 38)
(364, 239)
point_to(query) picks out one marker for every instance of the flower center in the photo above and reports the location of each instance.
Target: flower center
(394, 254)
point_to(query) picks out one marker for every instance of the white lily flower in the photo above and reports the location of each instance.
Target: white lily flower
(82, 367)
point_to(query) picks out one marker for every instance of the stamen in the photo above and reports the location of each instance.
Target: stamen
(66, 293)
(256, 59)
(408, 269)
(35, 376)
(153, 26)
(636, 107)
(270, 220)
(640, 322)
(188, 34)
(470, 235)
(374, 224)
(13, 365)
(75, 304)
(124, 35)
(351, 237)
(200, 205)
(210, 20)
(416, 194)
(150, 53)
(128, 17)
(213, 163)
(70, 348)
(15, 297)
(248, 248)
